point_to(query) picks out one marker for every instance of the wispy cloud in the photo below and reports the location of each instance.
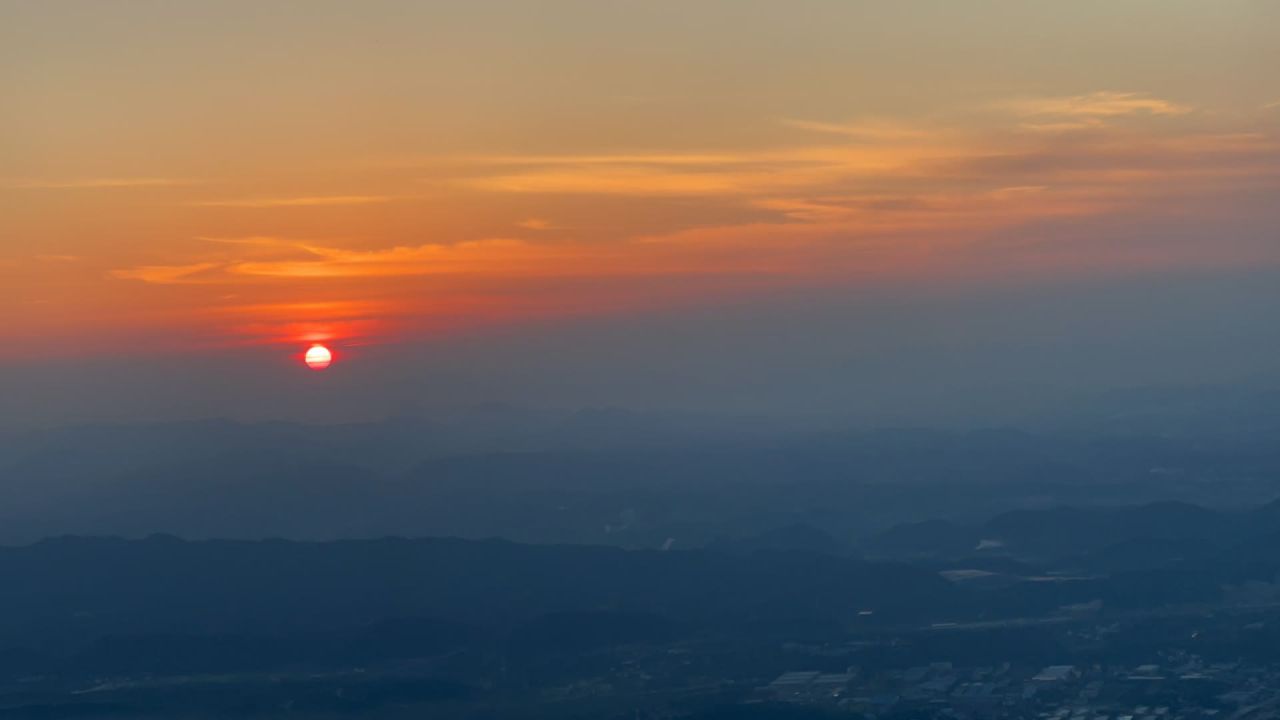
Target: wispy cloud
(978, 162)
(326, 309)
(1101, 104)
(865, 151)
(1064, 126)
(266, 241)
(654, 158)
(95, 183)
(613, 180)
(166, 274)
(495, 258)
(698, 174)
(537, 224)
(856, 199)
(871, 130)
(301, 260)
(331, 262)
(302, 201)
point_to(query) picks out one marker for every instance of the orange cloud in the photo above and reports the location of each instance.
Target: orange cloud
(874, 199)
(428, 259)
(869, 131)
(166, 274)
(95, 183)
(536, 224)
(303, 201)
(1102, 104)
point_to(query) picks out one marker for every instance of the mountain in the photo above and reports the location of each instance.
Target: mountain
(798, 537)
(601, 476)
(73, 590)
(1065, 532)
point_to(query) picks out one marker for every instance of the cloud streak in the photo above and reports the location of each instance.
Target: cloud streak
(103, 183)
(888, 181)
(166, 274)
(426, 259)
(1102, 104)
(869, 131)
(300, 201)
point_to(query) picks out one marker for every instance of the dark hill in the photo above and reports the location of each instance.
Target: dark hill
(75, 589)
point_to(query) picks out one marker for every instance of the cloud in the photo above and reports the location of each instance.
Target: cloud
(1063, 126)
(1102, 104)
(873, 130)
(656, 158)
(537, 224)
(613, 180)
(305, 260)
(303, 201)
(698, 174)
(429, 258)
(166, 274)
(494, 259)
(872, 151)
(96, 183)
(795, 205)
(872, 200)
(323, 309)
(1121, 158)
(263, 241)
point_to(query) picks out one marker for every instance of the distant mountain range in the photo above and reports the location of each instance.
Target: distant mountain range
(79, 592)
(605, 476)
(99, 605)
(1087, 537)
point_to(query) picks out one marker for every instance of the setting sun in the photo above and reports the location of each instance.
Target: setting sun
(318, 357)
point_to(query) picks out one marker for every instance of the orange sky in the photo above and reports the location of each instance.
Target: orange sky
(187, 176)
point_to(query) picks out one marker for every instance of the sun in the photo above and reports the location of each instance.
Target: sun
(318, 357)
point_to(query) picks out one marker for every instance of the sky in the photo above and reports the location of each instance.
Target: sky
(726, 205)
